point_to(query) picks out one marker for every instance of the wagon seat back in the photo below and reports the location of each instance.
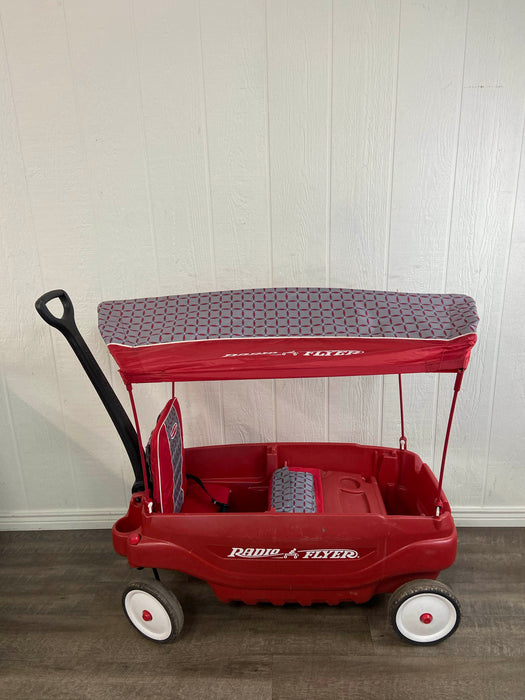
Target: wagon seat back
(174, 491)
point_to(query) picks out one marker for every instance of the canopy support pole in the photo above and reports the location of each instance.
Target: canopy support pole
(457, 387)
(402, 439)
(129, 387)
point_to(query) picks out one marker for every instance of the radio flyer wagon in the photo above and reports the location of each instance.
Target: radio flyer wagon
(282, 522)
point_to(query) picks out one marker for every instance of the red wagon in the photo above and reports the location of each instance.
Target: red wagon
(282, 521)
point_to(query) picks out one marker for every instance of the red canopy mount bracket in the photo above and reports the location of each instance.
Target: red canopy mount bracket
(403, 439)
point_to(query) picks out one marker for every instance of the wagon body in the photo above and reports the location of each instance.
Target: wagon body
(377, 531)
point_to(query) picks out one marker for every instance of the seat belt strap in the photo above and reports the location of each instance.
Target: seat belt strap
(223, 507)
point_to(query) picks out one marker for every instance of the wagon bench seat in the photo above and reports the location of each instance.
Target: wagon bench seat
(295, 490)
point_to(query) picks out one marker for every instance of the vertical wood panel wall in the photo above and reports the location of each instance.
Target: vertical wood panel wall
(181, 146)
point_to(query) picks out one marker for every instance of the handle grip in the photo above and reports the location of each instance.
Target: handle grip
(64, 323)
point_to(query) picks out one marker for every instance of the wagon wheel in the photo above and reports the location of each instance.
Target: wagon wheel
(424, 612)
(153, 610)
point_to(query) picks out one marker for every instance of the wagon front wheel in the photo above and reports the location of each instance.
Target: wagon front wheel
(424, 612)
(153, 610)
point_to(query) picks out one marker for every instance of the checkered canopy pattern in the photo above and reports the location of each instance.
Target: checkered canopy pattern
(286, 312)
(293, 491)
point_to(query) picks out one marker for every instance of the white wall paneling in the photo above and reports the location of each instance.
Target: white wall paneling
(429, 84)
(53, 245)
(169, 59)
(181, 146)
(506, 469)
(364, 87)
(299, 105)
(485, 197)
(234, 63)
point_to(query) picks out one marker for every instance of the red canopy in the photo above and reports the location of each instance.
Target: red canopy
(287, 332)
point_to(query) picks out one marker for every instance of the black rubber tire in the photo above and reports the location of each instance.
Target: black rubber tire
(371, 602)
(417, 587)
(167, 599)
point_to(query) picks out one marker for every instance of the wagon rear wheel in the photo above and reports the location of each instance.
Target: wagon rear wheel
(153, 610)
(424, 612)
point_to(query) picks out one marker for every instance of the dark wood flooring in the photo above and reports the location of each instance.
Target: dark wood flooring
(63, 633)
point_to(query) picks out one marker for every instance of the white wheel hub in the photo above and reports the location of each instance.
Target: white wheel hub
(426, 617)
(148, 615)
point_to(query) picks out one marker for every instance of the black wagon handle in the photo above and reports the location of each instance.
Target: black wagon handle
(67, 326)
(64, 323)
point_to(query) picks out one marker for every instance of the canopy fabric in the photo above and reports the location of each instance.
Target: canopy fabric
(287, 332)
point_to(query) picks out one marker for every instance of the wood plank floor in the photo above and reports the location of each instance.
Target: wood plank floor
(63, 633)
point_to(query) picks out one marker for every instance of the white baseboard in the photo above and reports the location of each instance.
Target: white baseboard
(493, 516)
(98, 518)
(87, 519)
